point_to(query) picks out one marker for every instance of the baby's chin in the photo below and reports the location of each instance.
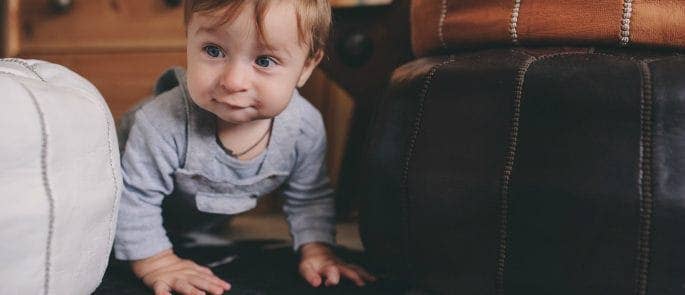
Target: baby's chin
(234, 116)
(241, 119)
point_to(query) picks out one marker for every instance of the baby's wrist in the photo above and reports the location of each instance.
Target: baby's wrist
(148, 265)
(315, 248)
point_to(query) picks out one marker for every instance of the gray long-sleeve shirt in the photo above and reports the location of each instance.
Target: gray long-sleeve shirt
(171, 149)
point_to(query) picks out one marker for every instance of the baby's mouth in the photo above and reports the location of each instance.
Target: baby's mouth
(230, 105)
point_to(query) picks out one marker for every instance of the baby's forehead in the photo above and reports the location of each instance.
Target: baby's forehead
(270, 16)
(271, 35)
(311, 18)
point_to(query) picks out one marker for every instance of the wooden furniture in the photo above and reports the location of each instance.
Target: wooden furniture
(122, 46)
(367, 44)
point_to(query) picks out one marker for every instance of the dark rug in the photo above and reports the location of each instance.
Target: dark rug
(255, 267)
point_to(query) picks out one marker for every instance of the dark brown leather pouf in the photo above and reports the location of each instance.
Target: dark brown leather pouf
(512, 172)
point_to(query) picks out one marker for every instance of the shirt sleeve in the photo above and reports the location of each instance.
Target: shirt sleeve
(309, 204)
(148, 162)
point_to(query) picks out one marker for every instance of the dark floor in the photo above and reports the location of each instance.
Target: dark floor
(255, 256)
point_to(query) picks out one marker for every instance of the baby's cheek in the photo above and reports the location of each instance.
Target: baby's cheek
(200, 85)
(268, 109)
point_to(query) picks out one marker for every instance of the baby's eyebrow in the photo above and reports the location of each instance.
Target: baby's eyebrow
(205, 29)
(276, 50)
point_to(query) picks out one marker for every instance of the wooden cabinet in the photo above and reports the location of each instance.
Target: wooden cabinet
(102, 25)
(122, 46)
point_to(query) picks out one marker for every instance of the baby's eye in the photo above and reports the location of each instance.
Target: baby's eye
(213, 51)
(264, 61)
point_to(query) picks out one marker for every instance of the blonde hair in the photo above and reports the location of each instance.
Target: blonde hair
(313, 17)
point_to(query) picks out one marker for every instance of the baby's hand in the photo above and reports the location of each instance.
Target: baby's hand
(166, 272)
(318, 261)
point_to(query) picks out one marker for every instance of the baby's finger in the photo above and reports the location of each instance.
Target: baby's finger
(332, 275)
(186, 288)
(363, 273)
(220, 282)
(207, 272)
(310, 275)
(161, 288)
(203, 269)
(206, 284)
(352, 275)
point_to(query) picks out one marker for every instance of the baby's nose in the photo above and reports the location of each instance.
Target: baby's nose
(234, 79)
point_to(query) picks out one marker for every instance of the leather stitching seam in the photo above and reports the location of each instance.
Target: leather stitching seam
(46, 187)
(624, 36)
(441, 24)
(509, 158)
(645, 182)
(406, 201)
(513, 22)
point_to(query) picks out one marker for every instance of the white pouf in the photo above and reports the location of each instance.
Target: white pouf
(59, 180)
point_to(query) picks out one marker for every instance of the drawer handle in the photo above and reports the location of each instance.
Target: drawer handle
(172, 3)
(61, 6)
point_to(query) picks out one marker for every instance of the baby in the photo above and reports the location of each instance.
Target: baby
(233, 128)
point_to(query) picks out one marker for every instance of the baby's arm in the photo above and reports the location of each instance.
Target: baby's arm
(310, 210)
(148, 162)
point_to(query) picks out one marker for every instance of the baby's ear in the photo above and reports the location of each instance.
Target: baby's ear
(309, 66)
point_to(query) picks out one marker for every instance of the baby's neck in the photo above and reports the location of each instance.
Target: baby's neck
(233, 128)
(241, 137)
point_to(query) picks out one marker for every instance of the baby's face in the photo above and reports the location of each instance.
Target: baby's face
(234, 75)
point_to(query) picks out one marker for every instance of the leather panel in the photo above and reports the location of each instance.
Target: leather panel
(438, 28)
(596, 145)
